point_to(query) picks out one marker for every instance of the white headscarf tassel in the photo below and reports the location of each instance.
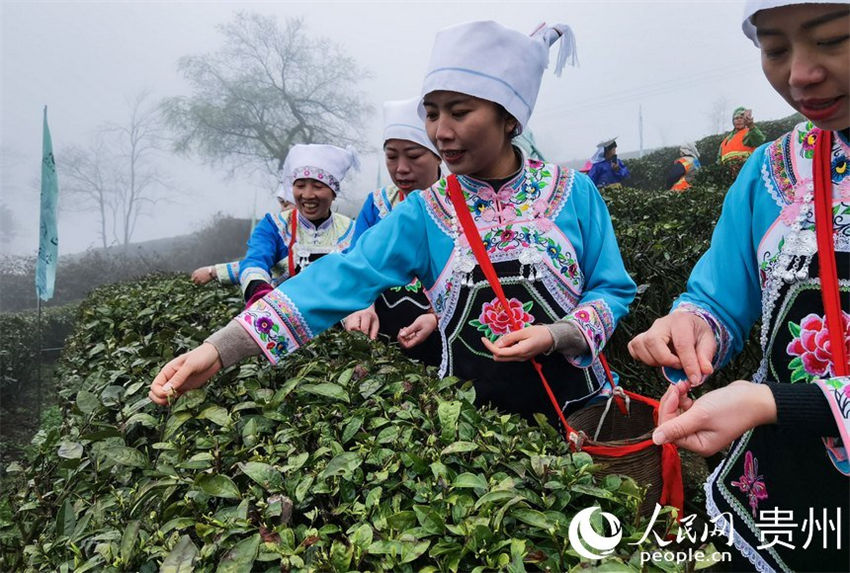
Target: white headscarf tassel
(355, 159)
(567, 52)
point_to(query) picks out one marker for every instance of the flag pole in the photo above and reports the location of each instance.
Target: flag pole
(40, 357)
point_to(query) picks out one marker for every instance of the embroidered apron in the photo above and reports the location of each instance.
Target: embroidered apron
(769, 466)
(399, 307)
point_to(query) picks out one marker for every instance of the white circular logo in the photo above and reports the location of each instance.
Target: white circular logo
(585, 540)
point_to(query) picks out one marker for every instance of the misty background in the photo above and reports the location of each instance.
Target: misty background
(682, 66)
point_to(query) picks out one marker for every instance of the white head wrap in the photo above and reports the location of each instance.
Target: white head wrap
(599, 154)
(753, 6)
(495, 63)
(402, 121)
(689, 148)
(284, 192)
(327, 164)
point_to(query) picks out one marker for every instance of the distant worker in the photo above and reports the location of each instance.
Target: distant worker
(682, 172)
(740, 143)
(607, 170)
(228, 273)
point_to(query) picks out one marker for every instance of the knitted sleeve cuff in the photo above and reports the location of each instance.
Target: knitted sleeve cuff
(233, 343)
(803, 410)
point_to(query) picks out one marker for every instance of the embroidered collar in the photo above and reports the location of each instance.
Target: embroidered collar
(484, 190)
(308, 224)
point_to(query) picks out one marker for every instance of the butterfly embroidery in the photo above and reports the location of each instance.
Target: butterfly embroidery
(751, 483)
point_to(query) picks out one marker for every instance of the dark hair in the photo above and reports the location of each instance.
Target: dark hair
(507, 116)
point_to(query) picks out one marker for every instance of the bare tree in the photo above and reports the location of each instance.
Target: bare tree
(8, 227)
(117, 173)
(265, 90)
(718, 115)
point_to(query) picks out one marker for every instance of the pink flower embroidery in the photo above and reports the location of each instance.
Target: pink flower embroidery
(505, 194)
(811, 346)
(545, 224)
(489, 215)
(540, 207)
(509, 215)
(494, 321)
(583, 315)
(487, 193)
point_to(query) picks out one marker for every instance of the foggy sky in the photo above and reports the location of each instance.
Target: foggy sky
(676, 60)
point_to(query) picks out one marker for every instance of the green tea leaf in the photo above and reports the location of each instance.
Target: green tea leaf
(126, 456)
(70, 450)
(128, 540)
(264, 474)
(328, 390)
(87, 402)
(470, 480)
(216, 415)
(459, 447)
(181, 557)
(351, 428)
(342, 465)
(218, 486)
(532, 517)
(448, 413)
(241, 558)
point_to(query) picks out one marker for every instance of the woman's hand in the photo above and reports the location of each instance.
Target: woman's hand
(365, 321)
(712, 422)
(186, 372)
(203, 275)
(417, 331)
(679, 340)
(521, 345)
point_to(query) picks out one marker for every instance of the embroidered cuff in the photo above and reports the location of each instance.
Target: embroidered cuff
(595, 321)
(276, 325)
(253, 274)
(227, 273)
(722, 337)
(837, 392)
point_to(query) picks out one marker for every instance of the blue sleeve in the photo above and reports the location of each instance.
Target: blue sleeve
(265, 248)
(624, 171)
(387, 255)
(725, 281)
(596, 172)
(608, 289)
(367, 217)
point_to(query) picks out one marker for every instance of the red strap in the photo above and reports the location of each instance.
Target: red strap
(672, 492)
(477, 245)
(290, 257)
(672, 489)
(826, 253)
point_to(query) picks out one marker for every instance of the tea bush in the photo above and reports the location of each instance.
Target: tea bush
(346, 457)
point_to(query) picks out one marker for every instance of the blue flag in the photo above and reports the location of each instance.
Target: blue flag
(48, 240)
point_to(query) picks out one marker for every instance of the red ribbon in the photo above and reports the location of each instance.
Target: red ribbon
(822, 173)
(290, 256)
(672, 492)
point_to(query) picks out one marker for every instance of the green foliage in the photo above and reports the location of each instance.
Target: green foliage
(346, 457)
(221, 240)
(661, 235)
(23, 380)
(650, 171)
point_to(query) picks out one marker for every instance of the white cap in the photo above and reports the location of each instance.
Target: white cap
(327, 164)
(402, 121)
(495, 63)
(753, 6)
(284, 192)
